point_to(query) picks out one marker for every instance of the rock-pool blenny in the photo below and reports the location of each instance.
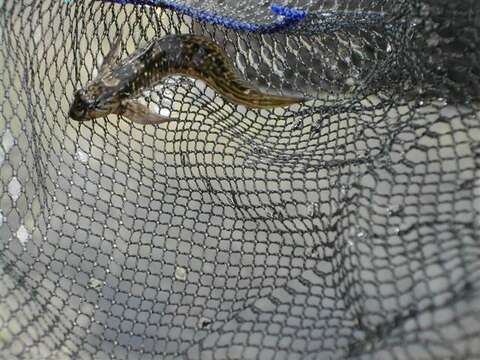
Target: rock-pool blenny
(120, 82)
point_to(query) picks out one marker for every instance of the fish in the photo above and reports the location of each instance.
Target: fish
(120, 82)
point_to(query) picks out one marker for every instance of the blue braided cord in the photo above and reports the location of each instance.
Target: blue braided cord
(290, 16)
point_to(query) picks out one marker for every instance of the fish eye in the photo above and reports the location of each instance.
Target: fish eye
(84, 101)
(82, 96)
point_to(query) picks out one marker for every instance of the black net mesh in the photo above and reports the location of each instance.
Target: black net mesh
(346, 227)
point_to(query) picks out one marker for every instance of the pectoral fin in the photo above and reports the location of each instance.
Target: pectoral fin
(140, 114)
(112, 57)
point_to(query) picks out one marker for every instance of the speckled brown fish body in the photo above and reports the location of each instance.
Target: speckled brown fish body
(200, 58)
(189, 55)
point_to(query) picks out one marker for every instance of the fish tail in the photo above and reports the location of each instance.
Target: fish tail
(205, 60)
(239, 92)
(209, 62)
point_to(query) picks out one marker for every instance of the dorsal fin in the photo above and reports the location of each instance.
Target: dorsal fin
(112, 56)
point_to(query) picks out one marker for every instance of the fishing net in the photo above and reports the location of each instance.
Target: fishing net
(345, 227)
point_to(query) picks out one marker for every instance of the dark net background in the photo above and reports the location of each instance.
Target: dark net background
(344, 228)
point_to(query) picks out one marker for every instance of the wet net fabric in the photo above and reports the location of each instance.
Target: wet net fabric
(347, 227)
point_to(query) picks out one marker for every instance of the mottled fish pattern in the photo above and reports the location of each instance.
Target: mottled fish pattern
(118, 84)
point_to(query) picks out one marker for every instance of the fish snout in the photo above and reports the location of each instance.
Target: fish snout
(79, 108)
(77, 113)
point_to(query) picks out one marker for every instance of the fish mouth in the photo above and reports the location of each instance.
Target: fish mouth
(82, 114)
(78, 114)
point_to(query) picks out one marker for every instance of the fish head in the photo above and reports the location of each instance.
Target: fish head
(92, 102)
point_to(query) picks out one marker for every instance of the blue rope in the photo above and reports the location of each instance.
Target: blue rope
(290, 16)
